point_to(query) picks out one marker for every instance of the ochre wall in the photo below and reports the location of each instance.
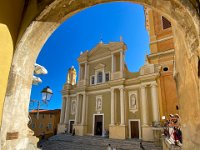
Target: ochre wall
(10, 17)
(92, 110)
(161, 40)
(15, 16)
(54, 120)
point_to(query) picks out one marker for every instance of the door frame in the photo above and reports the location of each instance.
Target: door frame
(69, 125)
(94, 122)
(129, 124)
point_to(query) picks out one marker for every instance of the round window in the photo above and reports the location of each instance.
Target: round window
(165, 69)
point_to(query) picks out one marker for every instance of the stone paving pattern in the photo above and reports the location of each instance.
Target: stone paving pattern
(68, 142)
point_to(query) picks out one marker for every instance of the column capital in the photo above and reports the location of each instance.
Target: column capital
(142, 86)
(154, 84)
(121, 88)
(112, 89)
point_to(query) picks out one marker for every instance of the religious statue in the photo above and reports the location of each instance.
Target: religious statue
(73, 107)
(98, 104)
(133, 102)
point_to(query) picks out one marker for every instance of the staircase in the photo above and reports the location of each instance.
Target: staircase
(68, 142)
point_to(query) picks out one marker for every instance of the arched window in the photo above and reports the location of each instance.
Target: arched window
(99, 77)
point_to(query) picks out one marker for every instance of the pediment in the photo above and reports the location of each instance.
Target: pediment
(99, 50)
(99, 66)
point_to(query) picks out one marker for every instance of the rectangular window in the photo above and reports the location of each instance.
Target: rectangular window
(41, 126)
(42, 115)
(166, 23)
(50, 115)
(92, 80)
(99, 77)
(107, 77)
(49, 126)
(33, 125)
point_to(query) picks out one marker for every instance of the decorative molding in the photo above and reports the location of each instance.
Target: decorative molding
(94, 122)
(99, 103)
(171, 51)
(163, 39)
(73, 107)
(99, 66)
(139, 126)
(133, 101)
(98, 91)
(99, 59)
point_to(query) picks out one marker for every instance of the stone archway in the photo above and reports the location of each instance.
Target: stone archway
(186, 27)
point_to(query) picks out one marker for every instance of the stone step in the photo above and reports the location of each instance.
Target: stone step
(64, 141)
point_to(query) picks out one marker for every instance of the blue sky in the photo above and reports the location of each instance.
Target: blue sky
(83, 31)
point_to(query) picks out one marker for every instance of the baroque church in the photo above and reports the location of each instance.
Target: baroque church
(109, 97)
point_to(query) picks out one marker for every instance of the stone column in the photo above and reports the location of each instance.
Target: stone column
(112, 64)
(77, 110)
(85, 76)
(122, 106)
(83, 110)
(121, 61)
(154, 98)
(67, 109)
(144, 106)
(79, 72)
(112, 108)
(63, 111)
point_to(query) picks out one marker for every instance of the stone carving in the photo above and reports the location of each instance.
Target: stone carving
(73, 107)
(133, 103)
(99, 103)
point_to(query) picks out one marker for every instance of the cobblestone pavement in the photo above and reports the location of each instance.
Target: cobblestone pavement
(68, 142)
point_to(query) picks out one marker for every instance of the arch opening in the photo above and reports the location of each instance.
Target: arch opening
(30, 44)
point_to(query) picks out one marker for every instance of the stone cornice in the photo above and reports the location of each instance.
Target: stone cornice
(161, 54)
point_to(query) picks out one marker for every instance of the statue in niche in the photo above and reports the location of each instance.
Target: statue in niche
(73, 107)
(133, 104)
(98, 104)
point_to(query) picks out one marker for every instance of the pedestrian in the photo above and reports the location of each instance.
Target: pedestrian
(141, 146)
(73, 132)
(109, 147)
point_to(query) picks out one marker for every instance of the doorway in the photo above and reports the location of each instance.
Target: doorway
(134, 129)
(71, 123)
(98, 124)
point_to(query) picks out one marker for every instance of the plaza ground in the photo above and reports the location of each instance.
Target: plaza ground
(68, 142)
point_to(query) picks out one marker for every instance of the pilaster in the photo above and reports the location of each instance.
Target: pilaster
(122, 106)
(154, 98)
(144, 106)
(112, 108)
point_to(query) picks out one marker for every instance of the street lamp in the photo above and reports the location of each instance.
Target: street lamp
(46, 96)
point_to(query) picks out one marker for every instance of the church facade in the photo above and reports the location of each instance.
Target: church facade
(108, 96)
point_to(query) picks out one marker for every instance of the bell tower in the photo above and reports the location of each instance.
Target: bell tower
(162, 52)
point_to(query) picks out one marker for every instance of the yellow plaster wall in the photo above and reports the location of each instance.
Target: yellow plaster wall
(10, 18)
(135, 115)
(92, 110)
